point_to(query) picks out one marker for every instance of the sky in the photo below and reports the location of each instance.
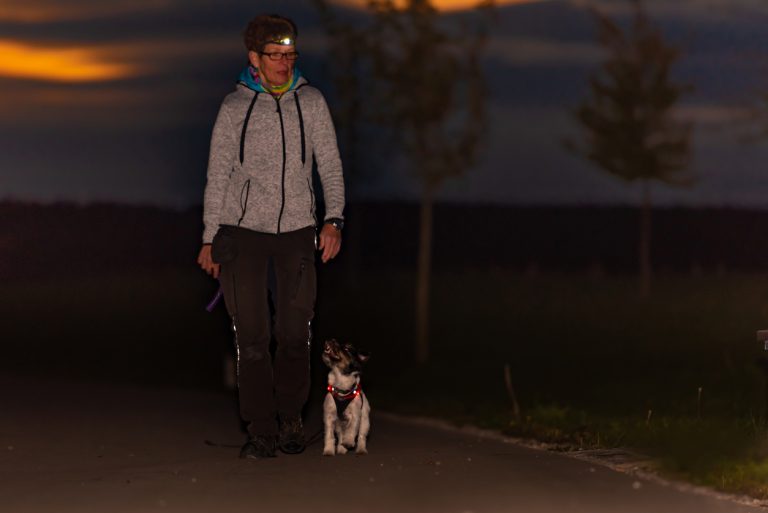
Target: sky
(115, 101)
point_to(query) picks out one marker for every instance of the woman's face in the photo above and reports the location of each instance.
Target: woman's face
(274, 73)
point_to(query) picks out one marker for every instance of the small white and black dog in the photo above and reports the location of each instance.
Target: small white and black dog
(346, 411)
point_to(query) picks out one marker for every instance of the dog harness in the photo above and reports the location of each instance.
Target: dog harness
(342, 398)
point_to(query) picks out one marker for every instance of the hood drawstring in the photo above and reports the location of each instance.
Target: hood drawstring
(301, 127)
(249, 78)
(245, 127)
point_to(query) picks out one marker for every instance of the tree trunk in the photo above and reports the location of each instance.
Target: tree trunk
(645, 242)
(424, 272)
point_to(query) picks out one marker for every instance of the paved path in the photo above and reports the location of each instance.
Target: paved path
(67, 447)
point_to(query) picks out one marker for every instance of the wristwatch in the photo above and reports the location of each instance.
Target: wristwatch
(336, 222)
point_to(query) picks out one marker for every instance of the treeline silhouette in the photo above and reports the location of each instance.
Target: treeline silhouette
(43, 241)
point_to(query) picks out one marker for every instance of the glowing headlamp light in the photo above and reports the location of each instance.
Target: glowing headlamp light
(283, 40)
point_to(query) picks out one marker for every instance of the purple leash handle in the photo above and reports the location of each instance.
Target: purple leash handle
(216, 298)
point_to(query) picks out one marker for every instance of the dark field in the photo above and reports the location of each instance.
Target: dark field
(592, 364)
(66, 240)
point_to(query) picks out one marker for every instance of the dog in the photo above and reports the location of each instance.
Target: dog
(346, 411)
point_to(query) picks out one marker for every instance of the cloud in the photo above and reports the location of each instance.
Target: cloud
(717, 11)
(531, 51)
(88, 21)
(36, 11)
(714, 115)
(73, 64)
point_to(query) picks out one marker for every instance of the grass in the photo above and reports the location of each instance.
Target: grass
(592, 364)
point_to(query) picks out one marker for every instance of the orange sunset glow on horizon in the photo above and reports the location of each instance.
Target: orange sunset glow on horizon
(444, 5)
(77, 64)
(81, 62)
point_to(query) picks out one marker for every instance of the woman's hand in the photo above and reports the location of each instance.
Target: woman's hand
(330, 242)
(206, 261)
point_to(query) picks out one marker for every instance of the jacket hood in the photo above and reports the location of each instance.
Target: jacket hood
(250, 78)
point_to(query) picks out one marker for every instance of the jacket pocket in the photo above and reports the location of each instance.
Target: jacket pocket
(311, 200)
(245, 191)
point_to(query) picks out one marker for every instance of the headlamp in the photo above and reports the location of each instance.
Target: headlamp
(283, 40)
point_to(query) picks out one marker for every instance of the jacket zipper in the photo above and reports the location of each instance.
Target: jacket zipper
(282, 182)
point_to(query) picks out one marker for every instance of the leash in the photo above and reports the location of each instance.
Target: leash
(310, 441)
(216, 298)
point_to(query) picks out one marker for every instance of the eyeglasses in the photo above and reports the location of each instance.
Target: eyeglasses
(276, 56)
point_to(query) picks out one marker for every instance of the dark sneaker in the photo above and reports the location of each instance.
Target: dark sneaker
(262, 446)
(291, 440)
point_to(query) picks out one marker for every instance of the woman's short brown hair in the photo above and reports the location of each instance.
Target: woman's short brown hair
(268, 28)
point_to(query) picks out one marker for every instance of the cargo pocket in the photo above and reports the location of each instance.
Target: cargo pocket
(224, 245)
(304, 289)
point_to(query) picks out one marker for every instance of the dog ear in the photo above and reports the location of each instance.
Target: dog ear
(327, 345)
(363, 356)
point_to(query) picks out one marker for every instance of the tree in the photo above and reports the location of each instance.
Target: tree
(428, 93)
(631, 131)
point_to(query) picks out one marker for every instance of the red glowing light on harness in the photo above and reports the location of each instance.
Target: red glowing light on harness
(346, 396)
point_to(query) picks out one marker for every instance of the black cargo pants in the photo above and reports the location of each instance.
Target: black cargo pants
(269, 387)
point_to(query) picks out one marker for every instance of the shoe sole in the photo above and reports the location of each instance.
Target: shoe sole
(292, 448)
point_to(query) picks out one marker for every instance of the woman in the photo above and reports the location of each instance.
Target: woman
(259, 216)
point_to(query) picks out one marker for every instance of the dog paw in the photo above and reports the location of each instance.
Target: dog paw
(341, 450)
(360, 451)
(328, 452)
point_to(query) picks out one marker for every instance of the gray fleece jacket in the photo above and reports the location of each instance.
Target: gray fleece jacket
(261, 178)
